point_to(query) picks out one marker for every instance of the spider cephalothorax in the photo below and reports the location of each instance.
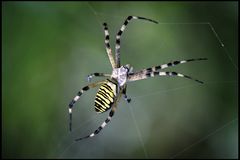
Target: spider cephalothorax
(111, 89)
(121, 74)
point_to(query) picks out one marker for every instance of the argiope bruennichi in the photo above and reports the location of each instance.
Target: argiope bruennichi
(115, 85)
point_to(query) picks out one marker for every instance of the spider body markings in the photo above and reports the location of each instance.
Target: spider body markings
(105, 96)
(111, 89)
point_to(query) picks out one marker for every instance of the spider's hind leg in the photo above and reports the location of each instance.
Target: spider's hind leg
(77, 97)
(111, 113)
(99, 128)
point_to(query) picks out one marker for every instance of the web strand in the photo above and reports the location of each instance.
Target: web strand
(224, 47)
(95, 14)
(204, 138)
(181, 23)
(183, 87)
(98, 17)
(83, 124)
(138, 131)
(132, 114)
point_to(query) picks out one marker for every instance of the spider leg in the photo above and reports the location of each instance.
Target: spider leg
(76, 98)
(144, 75)
(174, 63)
(117, 47)
(125, 95)
(90, 76)
(107, 44)
(99, 128)
(111, 113)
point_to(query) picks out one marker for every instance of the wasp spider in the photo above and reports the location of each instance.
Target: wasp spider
(111, 89)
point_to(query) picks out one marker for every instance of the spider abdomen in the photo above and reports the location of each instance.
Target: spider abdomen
(105, 96)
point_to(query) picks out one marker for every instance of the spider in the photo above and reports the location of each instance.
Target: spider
(111, 89)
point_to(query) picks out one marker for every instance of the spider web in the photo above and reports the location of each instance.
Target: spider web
(140, 144)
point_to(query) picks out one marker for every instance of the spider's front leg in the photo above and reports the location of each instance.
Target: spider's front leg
(119, 34)
(90, 76)
(107, 45)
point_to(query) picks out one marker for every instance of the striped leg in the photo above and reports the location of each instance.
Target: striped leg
(174, 63)
(108, 48)
(76, 98)
(117, 47)
(90, 76)
(142, 75)
(111, 113)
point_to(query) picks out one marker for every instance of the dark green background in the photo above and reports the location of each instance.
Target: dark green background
(50, 47)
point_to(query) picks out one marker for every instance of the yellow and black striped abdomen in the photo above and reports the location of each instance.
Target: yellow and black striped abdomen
(105, 97)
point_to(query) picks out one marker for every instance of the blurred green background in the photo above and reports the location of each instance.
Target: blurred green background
(50, 47)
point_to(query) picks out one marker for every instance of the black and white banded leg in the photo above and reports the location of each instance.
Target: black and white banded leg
(108, 48)
(99, 128)
(140, 76)
(117, 47)
(76, 98)
(90, 76)
(170, 64)
(111, 113)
